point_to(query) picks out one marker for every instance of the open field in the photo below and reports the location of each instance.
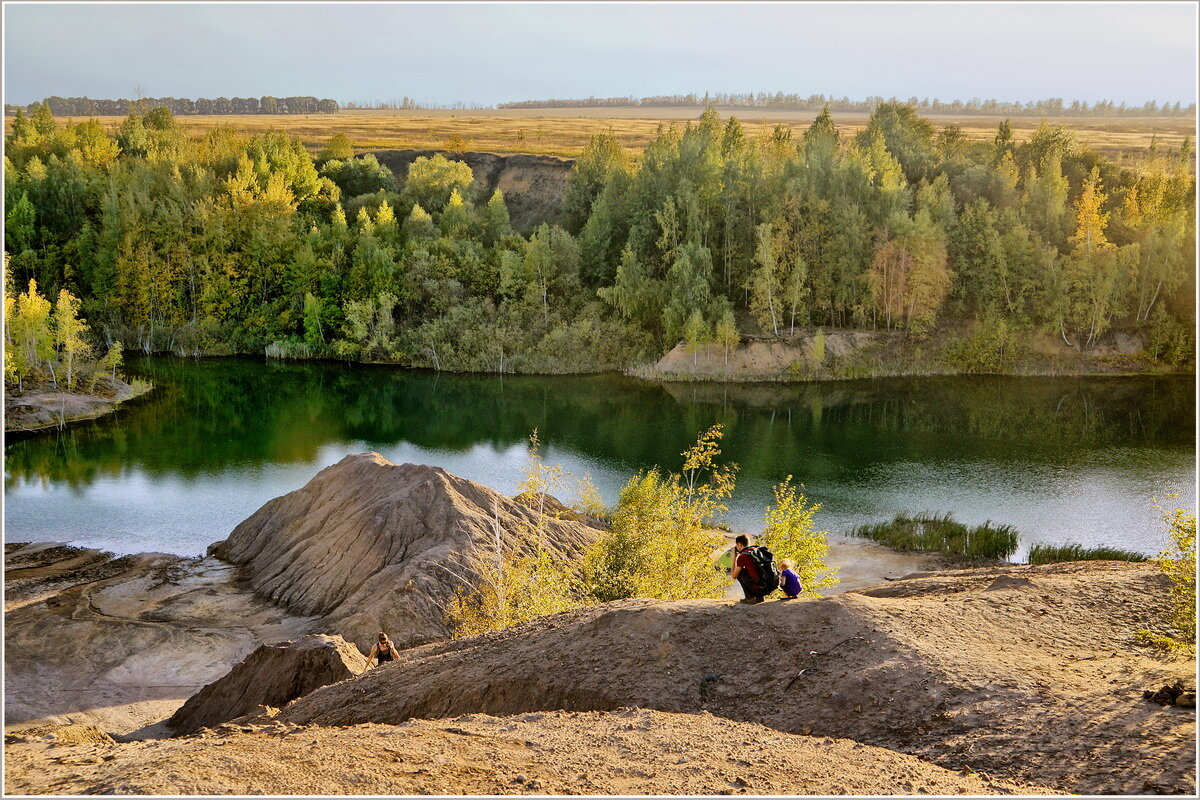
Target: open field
(565, 131)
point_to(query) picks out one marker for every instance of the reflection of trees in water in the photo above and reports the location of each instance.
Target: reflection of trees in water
(210, 415)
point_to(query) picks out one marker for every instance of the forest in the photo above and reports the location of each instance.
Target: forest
(781, 101)
(267, 104)
(225, 243)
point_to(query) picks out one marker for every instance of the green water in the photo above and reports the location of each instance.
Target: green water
(1062, 459)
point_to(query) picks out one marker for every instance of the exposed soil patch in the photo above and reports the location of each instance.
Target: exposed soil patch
(622, 752)
(533, 185)
(370, 545)
(1035, 680)
(860, 354)
(41, 408)
(271, 677)
(122, 642)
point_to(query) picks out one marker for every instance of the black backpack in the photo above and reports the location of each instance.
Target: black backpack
(768, 575)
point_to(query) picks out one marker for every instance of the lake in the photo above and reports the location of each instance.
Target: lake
(1062, 459)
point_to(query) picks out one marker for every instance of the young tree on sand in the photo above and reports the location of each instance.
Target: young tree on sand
(789, 534)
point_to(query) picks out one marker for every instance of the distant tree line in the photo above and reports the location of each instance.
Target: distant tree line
(409, 104)
(1052, 107)
(221, 243)
(88, 107)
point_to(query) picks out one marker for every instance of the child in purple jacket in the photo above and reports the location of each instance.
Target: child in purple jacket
(789, 581)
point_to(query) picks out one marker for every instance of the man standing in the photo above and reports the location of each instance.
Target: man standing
(745, 571)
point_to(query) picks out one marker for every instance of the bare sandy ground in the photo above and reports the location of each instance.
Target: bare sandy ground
(1027, 673)
(630, 751)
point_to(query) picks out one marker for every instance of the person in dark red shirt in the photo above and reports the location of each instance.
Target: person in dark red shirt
(745, 571)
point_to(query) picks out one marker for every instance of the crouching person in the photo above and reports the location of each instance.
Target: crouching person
(382, 651)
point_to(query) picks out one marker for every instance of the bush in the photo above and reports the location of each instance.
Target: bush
(992, 347)
(1058, 553)
(503, 586)
(506, 583)
(1178, 562)
(1171, 342)
(789, 534)
(355, 176)
(661, 543)
(943, 534)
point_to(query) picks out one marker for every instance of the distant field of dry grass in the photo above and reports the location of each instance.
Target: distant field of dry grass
(565, 131)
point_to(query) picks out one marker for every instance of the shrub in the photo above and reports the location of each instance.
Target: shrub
(990, 348)
(1171, 342)
(929, 532)
(503, 586)
(1057, 553)
(510, 583)
(1178, 562)
(789, 534)
(661, 542)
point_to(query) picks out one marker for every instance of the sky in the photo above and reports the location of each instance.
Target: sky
(491, 53)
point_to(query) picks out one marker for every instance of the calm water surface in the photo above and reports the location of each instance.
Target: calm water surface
(1062, 459)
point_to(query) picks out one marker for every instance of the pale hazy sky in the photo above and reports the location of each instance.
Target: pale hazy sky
(493, 52)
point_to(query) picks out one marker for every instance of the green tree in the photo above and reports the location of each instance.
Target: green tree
(688, 289)
(314, 332)
(696, 334)
(494, 219)
(766, 282)
(68, 330)
(433, 179)
(906, 135)
(339, 148)
(20, 225)
(588, 177)
(726, 333)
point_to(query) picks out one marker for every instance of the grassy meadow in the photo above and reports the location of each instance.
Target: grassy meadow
(566, 131)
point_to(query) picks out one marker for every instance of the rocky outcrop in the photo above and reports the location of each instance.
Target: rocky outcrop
(1034, 679)
(532, 185)
(273, 675)
(370, 545)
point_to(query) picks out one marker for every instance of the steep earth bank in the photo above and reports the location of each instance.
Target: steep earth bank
(532, 185)
(270, 677)
(869, 354)
(46, 407)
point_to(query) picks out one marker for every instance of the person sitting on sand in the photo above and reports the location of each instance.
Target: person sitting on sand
(382, 651)
(789, 580)
(745, 571)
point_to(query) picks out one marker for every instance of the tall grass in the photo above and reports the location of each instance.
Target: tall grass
(941, 533)
(1056, 553)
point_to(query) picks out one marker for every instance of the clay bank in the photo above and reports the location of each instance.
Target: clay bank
(1010, 679)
